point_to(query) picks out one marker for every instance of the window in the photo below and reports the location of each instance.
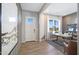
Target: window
(51, 25)
(54, 26)
(29, 21)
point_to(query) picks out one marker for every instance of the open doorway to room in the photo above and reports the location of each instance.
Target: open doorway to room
(61, 26)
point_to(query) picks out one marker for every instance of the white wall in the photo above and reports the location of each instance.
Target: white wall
(42, 22)
(8, 10)
(41, 26)
(24, 15)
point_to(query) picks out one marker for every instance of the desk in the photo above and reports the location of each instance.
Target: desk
(62, 35)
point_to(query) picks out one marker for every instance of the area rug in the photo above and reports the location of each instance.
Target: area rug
(57, 44)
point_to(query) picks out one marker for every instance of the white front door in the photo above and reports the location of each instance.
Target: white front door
(31, 29)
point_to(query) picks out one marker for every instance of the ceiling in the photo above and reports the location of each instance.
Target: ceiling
(35, 7)
(61, 9)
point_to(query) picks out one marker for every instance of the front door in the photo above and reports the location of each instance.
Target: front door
(31, 29)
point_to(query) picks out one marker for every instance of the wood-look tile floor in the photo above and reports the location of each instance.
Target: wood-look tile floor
(38, 48)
